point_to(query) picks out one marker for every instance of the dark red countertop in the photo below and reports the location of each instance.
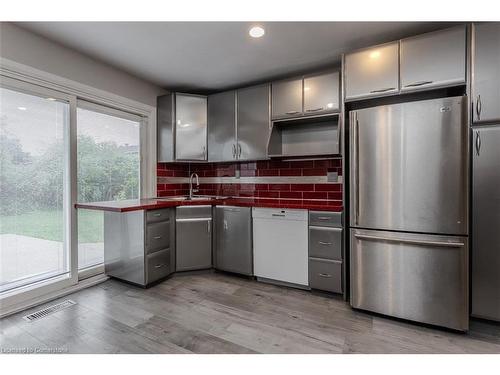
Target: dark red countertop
(153, 203)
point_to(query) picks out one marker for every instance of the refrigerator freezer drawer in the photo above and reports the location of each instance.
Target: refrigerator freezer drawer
(411, 276)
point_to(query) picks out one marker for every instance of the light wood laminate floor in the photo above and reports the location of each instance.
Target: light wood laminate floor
(218, 313)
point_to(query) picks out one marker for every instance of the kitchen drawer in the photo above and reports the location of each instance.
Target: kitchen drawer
(153, 216)
(325, 219)
(157, 236)
(325, 275)
(158, 265)
(325, 242)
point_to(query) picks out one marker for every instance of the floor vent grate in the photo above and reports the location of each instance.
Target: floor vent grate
(49, 310)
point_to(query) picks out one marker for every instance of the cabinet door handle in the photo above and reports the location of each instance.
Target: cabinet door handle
(478, 142)
(160, 265)
(239, 150)
(234, 151)
(157, 238)
(478, 107)
(324, 243)
(205, 152)
(292, 112)
(420, 83)
(208, 227)
(327, 275)
(383, 90)
(315, 109)
(323, 218)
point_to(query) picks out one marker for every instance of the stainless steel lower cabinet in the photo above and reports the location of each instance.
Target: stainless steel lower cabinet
(139, 245)
(193, 238)
(158, 265)
(325, 274)
(233, 239)
(411, 276)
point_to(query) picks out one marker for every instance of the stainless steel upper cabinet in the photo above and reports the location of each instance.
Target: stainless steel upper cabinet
(190, 127)
(287, 98)
(165, 128)
(409, 167)
(321, 93)
(434, 59)
(486, 72)
(372, 72)
(486, 222)
(222, 126)
(254, 122)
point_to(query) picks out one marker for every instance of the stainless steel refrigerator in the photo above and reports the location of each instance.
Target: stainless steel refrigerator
(486, 222)
(409, 211)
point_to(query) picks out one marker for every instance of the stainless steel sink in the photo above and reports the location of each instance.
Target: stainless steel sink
(187, 198)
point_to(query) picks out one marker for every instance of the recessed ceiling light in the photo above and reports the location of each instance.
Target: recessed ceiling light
(22, 108)
(256, 32)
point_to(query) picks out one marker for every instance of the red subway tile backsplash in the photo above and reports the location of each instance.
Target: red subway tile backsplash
(272, 168)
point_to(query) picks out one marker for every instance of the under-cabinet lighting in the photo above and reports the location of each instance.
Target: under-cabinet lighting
(22, 108)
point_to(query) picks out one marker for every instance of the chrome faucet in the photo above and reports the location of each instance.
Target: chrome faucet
(191, 190)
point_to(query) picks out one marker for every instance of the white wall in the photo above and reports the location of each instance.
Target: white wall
(27, 48)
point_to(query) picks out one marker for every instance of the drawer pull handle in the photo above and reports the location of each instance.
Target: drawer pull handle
(315, 109)
(420, 83)
(157, 237)
(323, 218)
(382, 90)
(292, 112)
(325, 275)
(156, 215)
(324, 243)
(160, 265)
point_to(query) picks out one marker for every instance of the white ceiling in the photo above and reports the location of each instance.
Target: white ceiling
(210, 56)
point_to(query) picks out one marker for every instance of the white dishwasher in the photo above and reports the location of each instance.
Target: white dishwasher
(280, 245)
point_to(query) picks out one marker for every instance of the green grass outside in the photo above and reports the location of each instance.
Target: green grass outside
(47, 225)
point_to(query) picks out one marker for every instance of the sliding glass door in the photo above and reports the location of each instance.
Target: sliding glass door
(34, 187)
(108, 159)
(56, 150)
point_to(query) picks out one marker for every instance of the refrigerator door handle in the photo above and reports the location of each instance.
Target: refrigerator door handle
(410, 241)
(478, 142)
(356, 167)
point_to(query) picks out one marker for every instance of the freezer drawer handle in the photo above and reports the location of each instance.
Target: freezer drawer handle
(383, 90)
(420, 83)
(325, 243)
(325, 275)
(414, 242)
